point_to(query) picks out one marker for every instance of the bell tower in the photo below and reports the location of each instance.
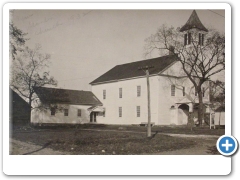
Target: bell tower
(194, 31)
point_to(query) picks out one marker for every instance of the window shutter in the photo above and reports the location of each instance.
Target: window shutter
(189, 38)
(199, 39)
(202, 39)
(185, 39)
(183, 91)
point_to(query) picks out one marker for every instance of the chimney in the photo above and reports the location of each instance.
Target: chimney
(171, 50)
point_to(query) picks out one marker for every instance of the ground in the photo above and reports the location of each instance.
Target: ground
(102, 139)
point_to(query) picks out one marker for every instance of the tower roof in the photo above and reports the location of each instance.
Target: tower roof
(193, 22)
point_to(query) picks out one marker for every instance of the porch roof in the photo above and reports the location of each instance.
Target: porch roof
(96, 109)
(186, 100)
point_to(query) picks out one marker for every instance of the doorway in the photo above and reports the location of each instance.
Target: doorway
(93, 117)
(183, 111)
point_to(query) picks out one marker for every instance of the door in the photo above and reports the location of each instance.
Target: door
(93, 117)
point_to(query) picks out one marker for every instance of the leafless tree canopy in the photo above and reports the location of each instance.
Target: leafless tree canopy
(29, 70)
(200, 59)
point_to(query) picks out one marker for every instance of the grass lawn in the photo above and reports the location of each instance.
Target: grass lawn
(160, 129)
(104, 142)
(111, 139)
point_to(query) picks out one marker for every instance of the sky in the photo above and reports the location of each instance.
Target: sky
(84, 44)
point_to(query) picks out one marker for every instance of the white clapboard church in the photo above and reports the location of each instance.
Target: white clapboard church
(123, 89)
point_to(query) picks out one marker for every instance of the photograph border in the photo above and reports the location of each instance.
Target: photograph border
(121, 164)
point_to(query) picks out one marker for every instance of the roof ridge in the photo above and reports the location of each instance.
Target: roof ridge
(143, 60)
(130, 70)
(61, 89)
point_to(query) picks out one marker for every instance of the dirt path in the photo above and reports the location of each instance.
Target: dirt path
(207, 147)
(23, 148)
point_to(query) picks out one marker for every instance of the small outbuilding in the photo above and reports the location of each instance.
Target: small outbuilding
(64, 106)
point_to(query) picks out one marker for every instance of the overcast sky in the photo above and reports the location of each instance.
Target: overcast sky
(84, 44)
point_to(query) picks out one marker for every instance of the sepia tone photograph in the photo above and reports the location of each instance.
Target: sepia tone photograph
(116, 82)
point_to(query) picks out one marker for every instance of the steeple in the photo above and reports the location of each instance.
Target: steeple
(194, 31)
(193, 22)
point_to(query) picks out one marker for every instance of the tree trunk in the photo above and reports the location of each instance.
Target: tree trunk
(30, 110)
(200, 107)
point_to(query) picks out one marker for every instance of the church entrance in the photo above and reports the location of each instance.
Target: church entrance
(183, 111)
(93, 117)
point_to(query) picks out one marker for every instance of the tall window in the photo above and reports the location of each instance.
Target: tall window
(138, 91)
(172, 90)
(138, 111)
(65, 112)
(183, 91)
(53, 111)
(201, 39)
(120, 111)
(79, 114)
(120, 92)
(104, 94)
(104, 112)
(203, 91)
(187, 38)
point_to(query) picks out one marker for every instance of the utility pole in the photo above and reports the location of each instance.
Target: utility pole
(146, 70)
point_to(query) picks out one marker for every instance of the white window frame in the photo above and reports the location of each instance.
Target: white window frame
(119, 111)
(120, 93)
(138, 108)
(66, 112)
(173, 90)
(104, 94)
(138, 91)
(79, 110)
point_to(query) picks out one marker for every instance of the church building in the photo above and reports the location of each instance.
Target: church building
(123, 89)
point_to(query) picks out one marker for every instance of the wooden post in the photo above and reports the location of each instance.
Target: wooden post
(146, 69)
(210, 116)
(149, 106)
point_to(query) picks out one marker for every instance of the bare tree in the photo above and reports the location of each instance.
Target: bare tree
(29, 70)
(199, 60)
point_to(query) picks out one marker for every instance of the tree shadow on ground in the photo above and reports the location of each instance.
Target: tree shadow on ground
(153, 135)
(43, 147)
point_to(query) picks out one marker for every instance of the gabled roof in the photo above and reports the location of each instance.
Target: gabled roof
(130, 70)
(193, 22)
(66, 96)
